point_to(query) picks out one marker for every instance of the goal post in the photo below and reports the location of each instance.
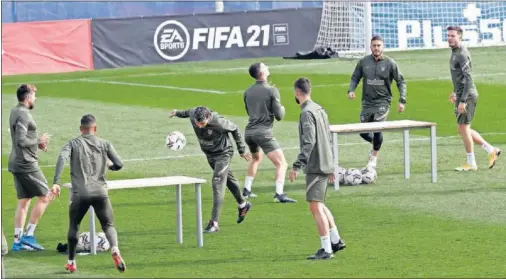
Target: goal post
(346, 26)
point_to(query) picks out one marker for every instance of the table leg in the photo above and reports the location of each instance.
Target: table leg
(179, 215)
(406, 154)
(336, 161)
(198, 198)
(433, 153)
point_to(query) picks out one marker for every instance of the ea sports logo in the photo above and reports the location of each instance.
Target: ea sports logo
(171, 40)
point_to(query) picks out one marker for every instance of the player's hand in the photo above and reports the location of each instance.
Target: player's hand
(292, 175)
(56, 190)
(351, 95)
(400, 107)
(453, 98)
(246, 156)
(43, 146)
(172, 113)
(332, 178)
(461, 108)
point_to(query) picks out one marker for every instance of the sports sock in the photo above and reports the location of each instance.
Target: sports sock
(18, 232)
(471, 160)
(280, 185)
(115, 249)
(325, 240)
(71, 262)
(242, 205)
(30, 229)
(248, 183)
(489, 148)
(334, 235)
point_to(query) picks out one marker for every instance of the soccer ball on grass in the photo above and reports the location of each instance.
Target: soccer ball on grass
(175, 140)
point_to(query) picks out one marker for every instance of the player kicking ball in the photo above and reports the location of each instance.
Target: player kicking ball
(465, 98)
(212, 131)
(89, 158)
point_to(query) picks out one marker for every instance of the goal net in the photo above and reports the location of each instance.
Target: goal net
(347, 26)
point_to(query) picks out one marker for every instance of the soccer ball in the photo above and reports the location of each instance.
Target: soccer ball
(369, 175)
(340, 172)
(353, 177)
(175, 141)
(101, 242)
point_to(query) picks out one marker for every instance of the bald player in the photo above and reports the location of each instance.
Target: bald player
(89, 157)
(263, 104)
(378, 71)
(29, 180)
(213, 133)
(465, 98)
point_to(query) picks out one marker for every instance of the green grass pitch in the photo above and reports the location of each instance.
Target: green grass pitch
(393, 228)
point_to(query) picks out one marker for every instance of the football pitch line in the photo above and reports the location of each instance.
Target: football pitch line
(154, 86)
(421, 139)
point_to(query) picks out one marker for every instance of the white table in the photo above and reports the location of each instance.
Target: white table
(397, 125)
(177, 181)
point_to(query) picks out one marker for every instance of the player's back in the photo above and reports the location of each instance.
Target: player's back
(262, 103)
(88, 164)
(23, 156)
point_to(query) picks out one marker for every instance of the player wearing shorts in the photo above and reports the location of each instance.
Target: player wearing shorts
(263, 105)
(29, 180)
(378, 71)
(465, 98)
(89, 157)
(212, 131)
(315, 160)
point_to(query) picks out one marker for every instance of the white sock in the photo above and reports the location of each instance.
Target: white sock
(280, 185)
(334, 235)
(489, 148)
(242, 205)
(471, 160)
(71, 261)
(248, 182)
(18, 233)
(30, 229)
(325, 240)
(114, 249)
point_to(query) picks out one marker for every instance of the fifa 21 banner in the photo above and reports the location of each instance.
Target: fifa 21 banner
(156, 40)
(422, 24)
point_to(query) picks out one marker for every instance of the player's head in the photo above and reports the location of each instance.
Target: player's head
(259, 71)
(377, 46)
(454, 35)
(302, 89)
(26, 94)
(202, 115)
(88, 124)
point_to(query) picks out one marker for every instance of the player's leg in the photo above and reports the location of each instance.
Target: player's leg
(366, 116)
(464, 127)
(316, 190)
(378, 116)
(336, 241)
(243, 206)
(219, 180)
(105, 214)
(77, 209)
(37, 186)
(24, 199)
(256, 158)
(273, 151)
(4, 252)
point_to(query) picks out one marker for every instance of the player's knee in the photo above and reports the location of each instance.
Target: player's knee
(366, 136)
(256, 157)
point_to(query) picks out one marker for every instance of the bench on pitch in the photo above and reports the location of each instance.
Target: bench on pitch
(398, 125)
(177, 181)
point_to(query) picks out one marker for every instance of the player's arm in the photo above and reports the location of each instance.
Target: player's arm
(356, 77)
(180, 113)
(21, 133)
(400, 81)
(308, 140)
(230, 127)
(465, 67)
(60, 162)
(114, 157)
(277, 108)
(245, 104)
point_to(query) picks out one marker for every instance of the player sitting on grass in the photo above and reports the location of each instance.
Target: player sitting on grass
(212, 131)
